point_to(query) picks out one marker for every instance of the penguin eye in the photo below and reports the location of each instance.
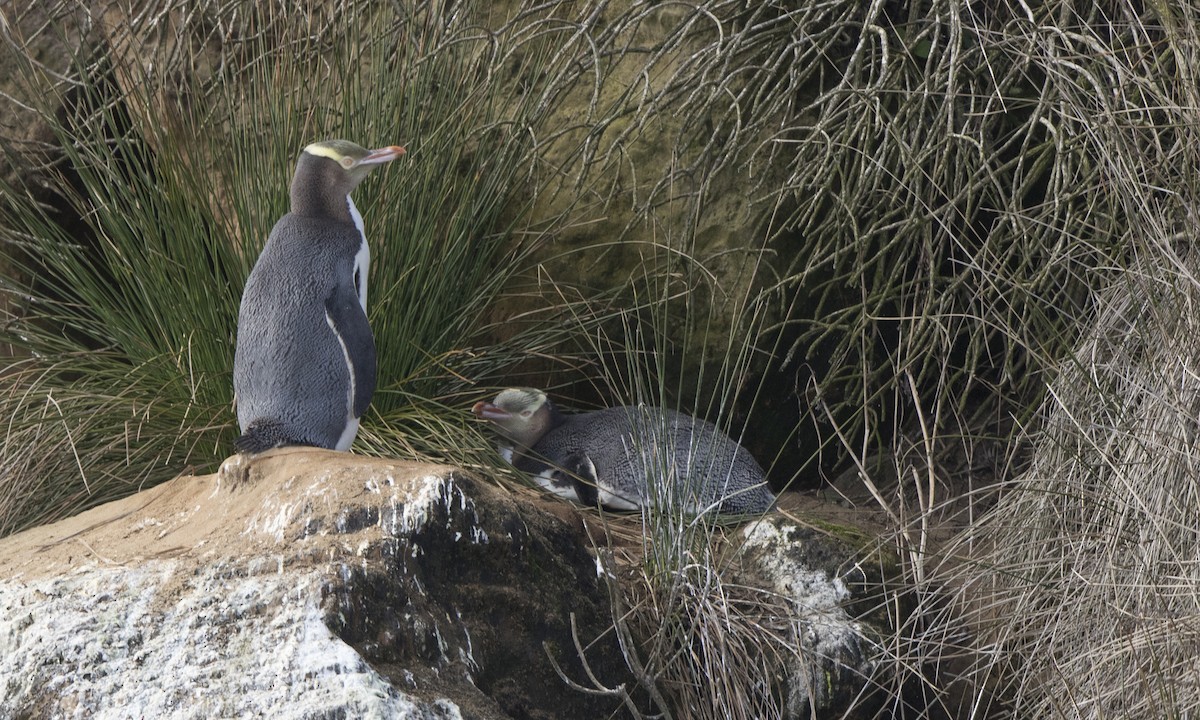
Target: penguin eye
(526, 414)
(347, 162)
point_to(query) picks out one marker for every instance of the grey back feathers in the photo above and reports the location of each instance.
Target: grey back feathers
(613, 456)
(304, 368)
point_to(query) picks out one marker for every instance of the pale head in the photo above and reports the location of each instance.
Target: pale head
(523, 415)
(327, 171)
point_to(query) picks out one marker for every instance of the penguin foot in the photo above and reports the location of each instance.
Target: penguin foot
(264, 435)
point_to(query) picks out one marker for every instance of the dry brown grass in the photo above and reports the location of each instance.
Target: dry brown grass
(1078, 596)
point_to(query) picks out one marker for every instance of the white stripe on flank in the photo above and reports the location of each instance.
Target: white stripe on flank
(362, 259)
(347, 438)
(351, 428)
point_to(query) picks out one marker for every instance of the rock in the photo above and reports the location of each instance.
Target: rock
(809, 572)
(303, 584)
(314, 584)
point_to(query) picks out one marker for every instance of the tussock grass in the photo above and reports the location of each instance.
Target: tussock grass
(1076, 596)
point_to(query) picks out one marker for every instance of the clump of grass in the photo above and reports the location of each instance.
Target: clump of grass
(1078, 590)
(1075, 596)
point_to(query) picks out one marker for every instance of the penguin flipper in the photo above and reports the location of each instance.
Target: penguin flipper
(577, 468)
(348, 321)
(582, 473)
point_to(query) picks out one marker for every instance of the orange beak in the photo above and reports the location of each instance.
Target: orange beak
(382, 155)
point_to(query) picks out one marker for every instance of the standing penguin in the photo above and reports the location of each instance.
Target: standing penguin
(610, 456)
(304, 369)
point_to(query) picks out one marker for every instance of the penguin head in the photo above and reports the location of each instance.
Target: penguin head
(328, 170)
(523, 415)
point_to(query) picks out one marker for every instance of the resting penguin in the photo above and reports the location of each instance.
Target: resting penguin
(304, 369)
(607, 456)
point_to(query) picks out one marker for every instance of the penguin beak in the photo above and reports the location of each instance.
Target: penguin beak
(382, 155)
(488, 411)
